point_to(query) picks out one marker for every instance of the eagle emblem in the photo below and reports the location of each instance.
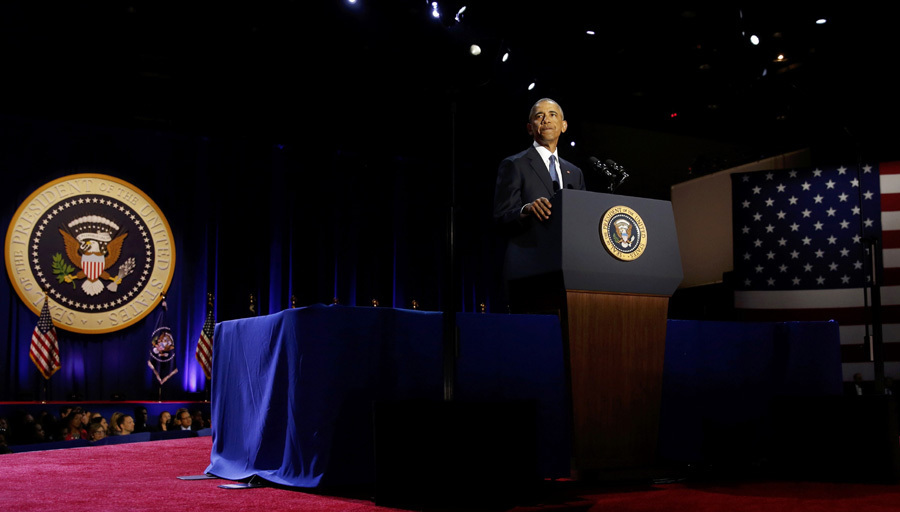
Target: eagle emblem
(93, 244)
(623, 233)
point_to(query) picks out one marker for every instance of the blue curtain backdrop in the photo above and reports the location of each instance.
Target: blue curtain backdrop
(249, 217)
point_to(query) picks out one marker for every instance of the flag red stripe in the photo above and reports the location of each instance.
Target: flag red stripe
(890, 239)
(891, 276)
(36, 353)
(889, 168)
(41, 346)
(890, 202)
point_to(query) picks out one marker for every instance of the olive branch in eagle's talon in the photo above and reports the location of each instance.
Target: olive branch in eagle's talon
(62, 270)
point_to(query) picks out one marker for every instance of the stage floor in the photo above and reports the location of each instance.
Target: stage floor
(143, 476)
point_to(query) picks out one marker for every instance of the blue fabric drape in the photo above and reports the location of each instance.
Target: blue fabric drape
(294, 404)
(248, 217)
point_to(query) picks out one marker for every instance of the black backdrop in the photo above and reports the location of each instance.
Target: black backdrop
(249, 217)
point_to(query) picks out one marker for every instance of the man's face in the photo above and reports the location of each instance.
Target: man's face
(185, 419)
(128, 425)
(142, 415)
(546, 123)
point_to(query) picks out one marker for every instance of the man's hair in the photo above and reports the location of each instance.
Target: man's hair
(121, 419)
(538, 102)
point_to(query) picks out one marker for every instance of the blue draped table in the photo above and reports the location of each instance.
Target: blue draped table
(293, 392)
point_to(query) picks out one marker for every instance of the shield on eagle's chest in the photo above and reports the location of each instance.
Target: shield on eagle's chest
(93, 265)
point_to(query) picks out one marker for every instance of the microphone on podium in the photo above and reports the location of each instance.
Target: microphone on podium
(615, 173)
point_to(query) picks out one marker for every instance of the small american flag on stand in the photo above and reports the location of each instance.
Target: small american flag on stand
(205, 343)
(44, 344)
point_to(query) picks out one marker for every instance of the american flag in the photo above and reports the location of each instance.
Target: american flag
(799, 251)
(44, 344)
(204, 345)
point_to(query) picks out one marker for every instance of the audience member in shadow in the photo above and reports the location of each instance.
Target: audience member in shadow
(74, 426)
(140, 419)
(100, 420)
(4, 449)
(164, 424)
(858, 387)
(197, 421)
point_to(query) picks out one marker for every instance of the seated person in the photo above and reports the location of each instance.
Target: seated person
(182, 419)
(125, 424)
(164, 424)
(74, 428)
(96, 432)
(113, 429)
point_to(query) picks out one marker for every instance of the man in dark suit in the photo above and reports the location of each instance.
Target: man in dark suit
(526, 180)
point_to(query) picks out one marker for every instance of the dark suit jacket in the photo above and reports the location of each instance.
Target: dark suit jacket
(522, 178)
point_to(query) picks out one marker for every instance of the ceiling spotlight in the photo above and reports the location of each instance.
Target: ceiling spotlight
(780, 58)
(459, 15)
(572, 144)
(531, 86)
(821, 21)
(434, 10)
(754, 40)
(505, 57)
(475, 50)
(590, 32)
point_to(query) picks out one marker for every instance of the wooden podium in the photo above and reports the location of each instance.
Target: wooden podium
(613, 315)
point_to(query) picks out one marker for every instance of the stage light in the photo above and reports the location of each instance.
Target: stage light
(590, 32)
(780, 58)
(531, 86)
(505, 57)
(458, 16)
(434, 10)
(572, 144)
(821, 21)
(475, 50)
(754, 40)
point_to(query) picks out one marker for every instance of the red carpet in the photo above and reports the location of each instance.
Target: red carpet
(139, 477)
(142, 476)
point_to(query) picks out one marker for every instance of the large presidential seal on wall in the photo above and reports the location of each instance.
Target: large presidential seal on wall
(96, 246)
(624, 233)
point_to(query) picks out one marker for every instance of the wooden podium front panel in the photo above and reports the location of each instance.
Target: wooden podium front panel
(616, 348)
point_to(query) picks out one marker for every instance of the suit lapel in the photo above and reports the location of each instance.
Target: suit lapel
(537, 165)
(564, 171)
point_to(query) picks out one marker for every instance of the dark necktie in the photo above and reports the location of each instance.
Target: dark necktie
(553, 175)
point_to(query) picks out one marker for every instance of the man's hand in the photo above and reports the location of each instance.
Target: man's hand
(540, 208)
